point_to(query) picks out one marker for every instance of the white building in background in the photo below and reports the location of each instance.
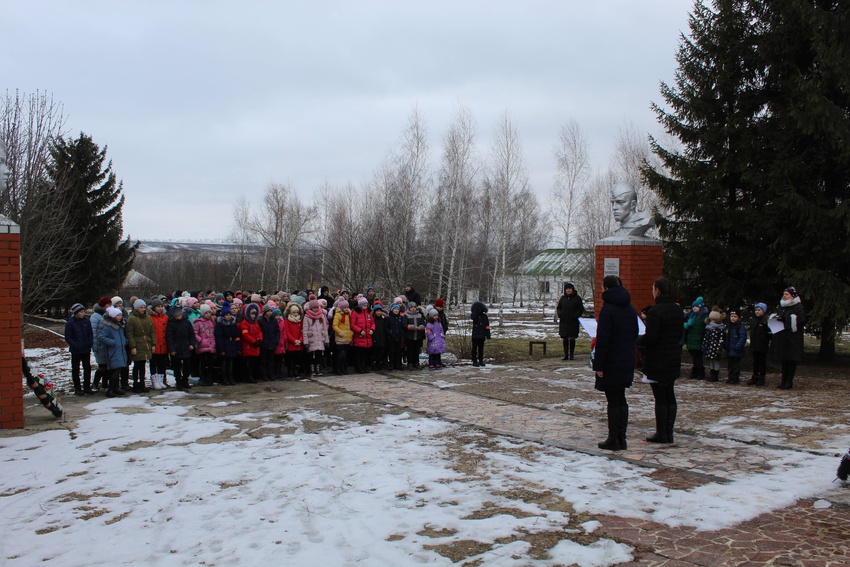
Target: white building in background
(542, 277)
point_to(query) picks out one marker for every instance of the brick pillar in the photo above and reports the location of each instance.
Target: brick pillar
(11, 375)
(640, 263)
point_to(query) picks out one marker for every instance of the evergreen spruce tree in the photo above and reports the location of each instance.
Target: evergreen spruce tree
(759, 194)
(715, 241)
(95, 200)
(806, 137)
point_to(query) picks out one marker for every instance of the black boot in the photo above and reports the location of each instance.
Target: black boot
(714, 376)
(672, 410)
(753, 380)
(613, 441)
(760, 379)
(700, 375)
(660, 425)
(78, 388)
(624, 424)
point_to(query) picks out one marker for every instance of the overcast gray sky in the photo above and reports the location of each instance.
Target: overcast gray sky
(202, 101)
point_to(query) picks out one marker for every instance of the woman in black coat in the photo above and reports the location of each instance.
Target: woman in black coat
(788, 343)
(570, 308)
(662, 357)
(614, 358)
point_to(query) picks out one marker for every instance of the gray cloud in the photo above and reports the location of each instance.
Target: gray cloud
(200, 102)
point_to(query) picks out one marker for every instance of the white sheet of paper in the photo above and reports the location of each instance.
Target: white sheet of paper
(775, 325)
(589, 326)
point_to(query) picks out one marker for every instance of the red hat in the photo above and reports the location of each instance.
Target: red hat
(104, 301)
(440, 302)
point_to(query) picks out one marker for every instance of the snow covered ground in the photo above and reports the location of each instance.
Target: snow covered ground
(162, 481)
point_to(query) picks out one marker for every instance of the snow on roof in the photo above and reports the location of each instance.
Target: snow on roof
(548, 262)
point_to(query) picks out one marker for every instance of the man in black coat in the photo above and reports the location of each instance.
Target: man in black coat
(411, 294)
(570, 308)
(614, 358)
(662, 357)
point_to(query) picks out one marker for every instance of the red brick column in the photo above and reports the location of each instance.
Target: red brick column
(11, 375)
(640, 264)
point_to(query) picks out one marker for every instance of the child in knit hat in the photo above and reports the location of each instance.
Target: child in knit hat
(736, 340)
(436, 340)
(712, 342)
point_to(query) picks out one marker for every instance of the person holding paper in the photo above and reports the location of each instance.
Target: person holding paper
(662, 357)
(614, 359)
(788, 343)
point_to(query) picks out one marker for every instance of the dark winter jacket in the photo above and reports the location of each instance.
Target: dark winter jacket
(414, 296)
(714, 340)
(271, 332)
(113, 342)
(227, 338)
(736, 340)
(413, 320)
(79, 335)
(379, 338)
(570, 308)
(394, 328)
(180, 335)
(444, 319)
(660, 344)
(759, 335)
(788, 343)
(615, 340)
(480, 321)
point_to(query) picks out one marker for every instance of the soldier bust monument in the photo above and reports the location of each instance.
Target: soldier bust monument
(633, 224)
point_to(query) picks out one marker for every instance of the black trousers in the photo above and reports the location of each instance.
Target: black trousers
(759, 364)
(159, 364)
(478, 350)
(83, 360)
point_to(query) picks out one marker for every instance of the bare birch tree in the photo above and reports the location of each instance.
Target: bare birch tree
(573, 172)
(455, 191)
(30, 125)
(509, 179)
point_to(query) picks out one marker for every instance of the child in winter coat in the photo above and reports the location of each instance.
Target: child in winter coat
(414, 334)
(99, 352)
(280, 351)
(205, 336)
(342, 334)
(712, 342)
(694, 333)
(436, 340)
(252, 339)
(140, 340)
(80, 339)
(736, 340)
(379, 337)
(759, 345)
(294, 339)
(480, 331)
(114, 343)
(362, 328)
(315, 332)
(271, 338)
(394, 331)
(180, 336)
(159, 357)
(227, 343)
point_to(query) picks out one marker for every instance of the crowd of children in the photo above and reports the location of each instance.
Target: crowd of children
(250, 337)
(708, 335)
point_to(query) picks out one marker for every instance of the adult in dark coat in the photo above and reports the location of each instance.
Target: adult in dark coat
(411, 294)
(570, 308)
(788, 344)
(614, 359)
(80, 339)
(662, 357)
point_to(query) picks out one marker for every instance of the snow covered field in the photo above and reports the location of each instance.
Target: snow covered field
(201, 478)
